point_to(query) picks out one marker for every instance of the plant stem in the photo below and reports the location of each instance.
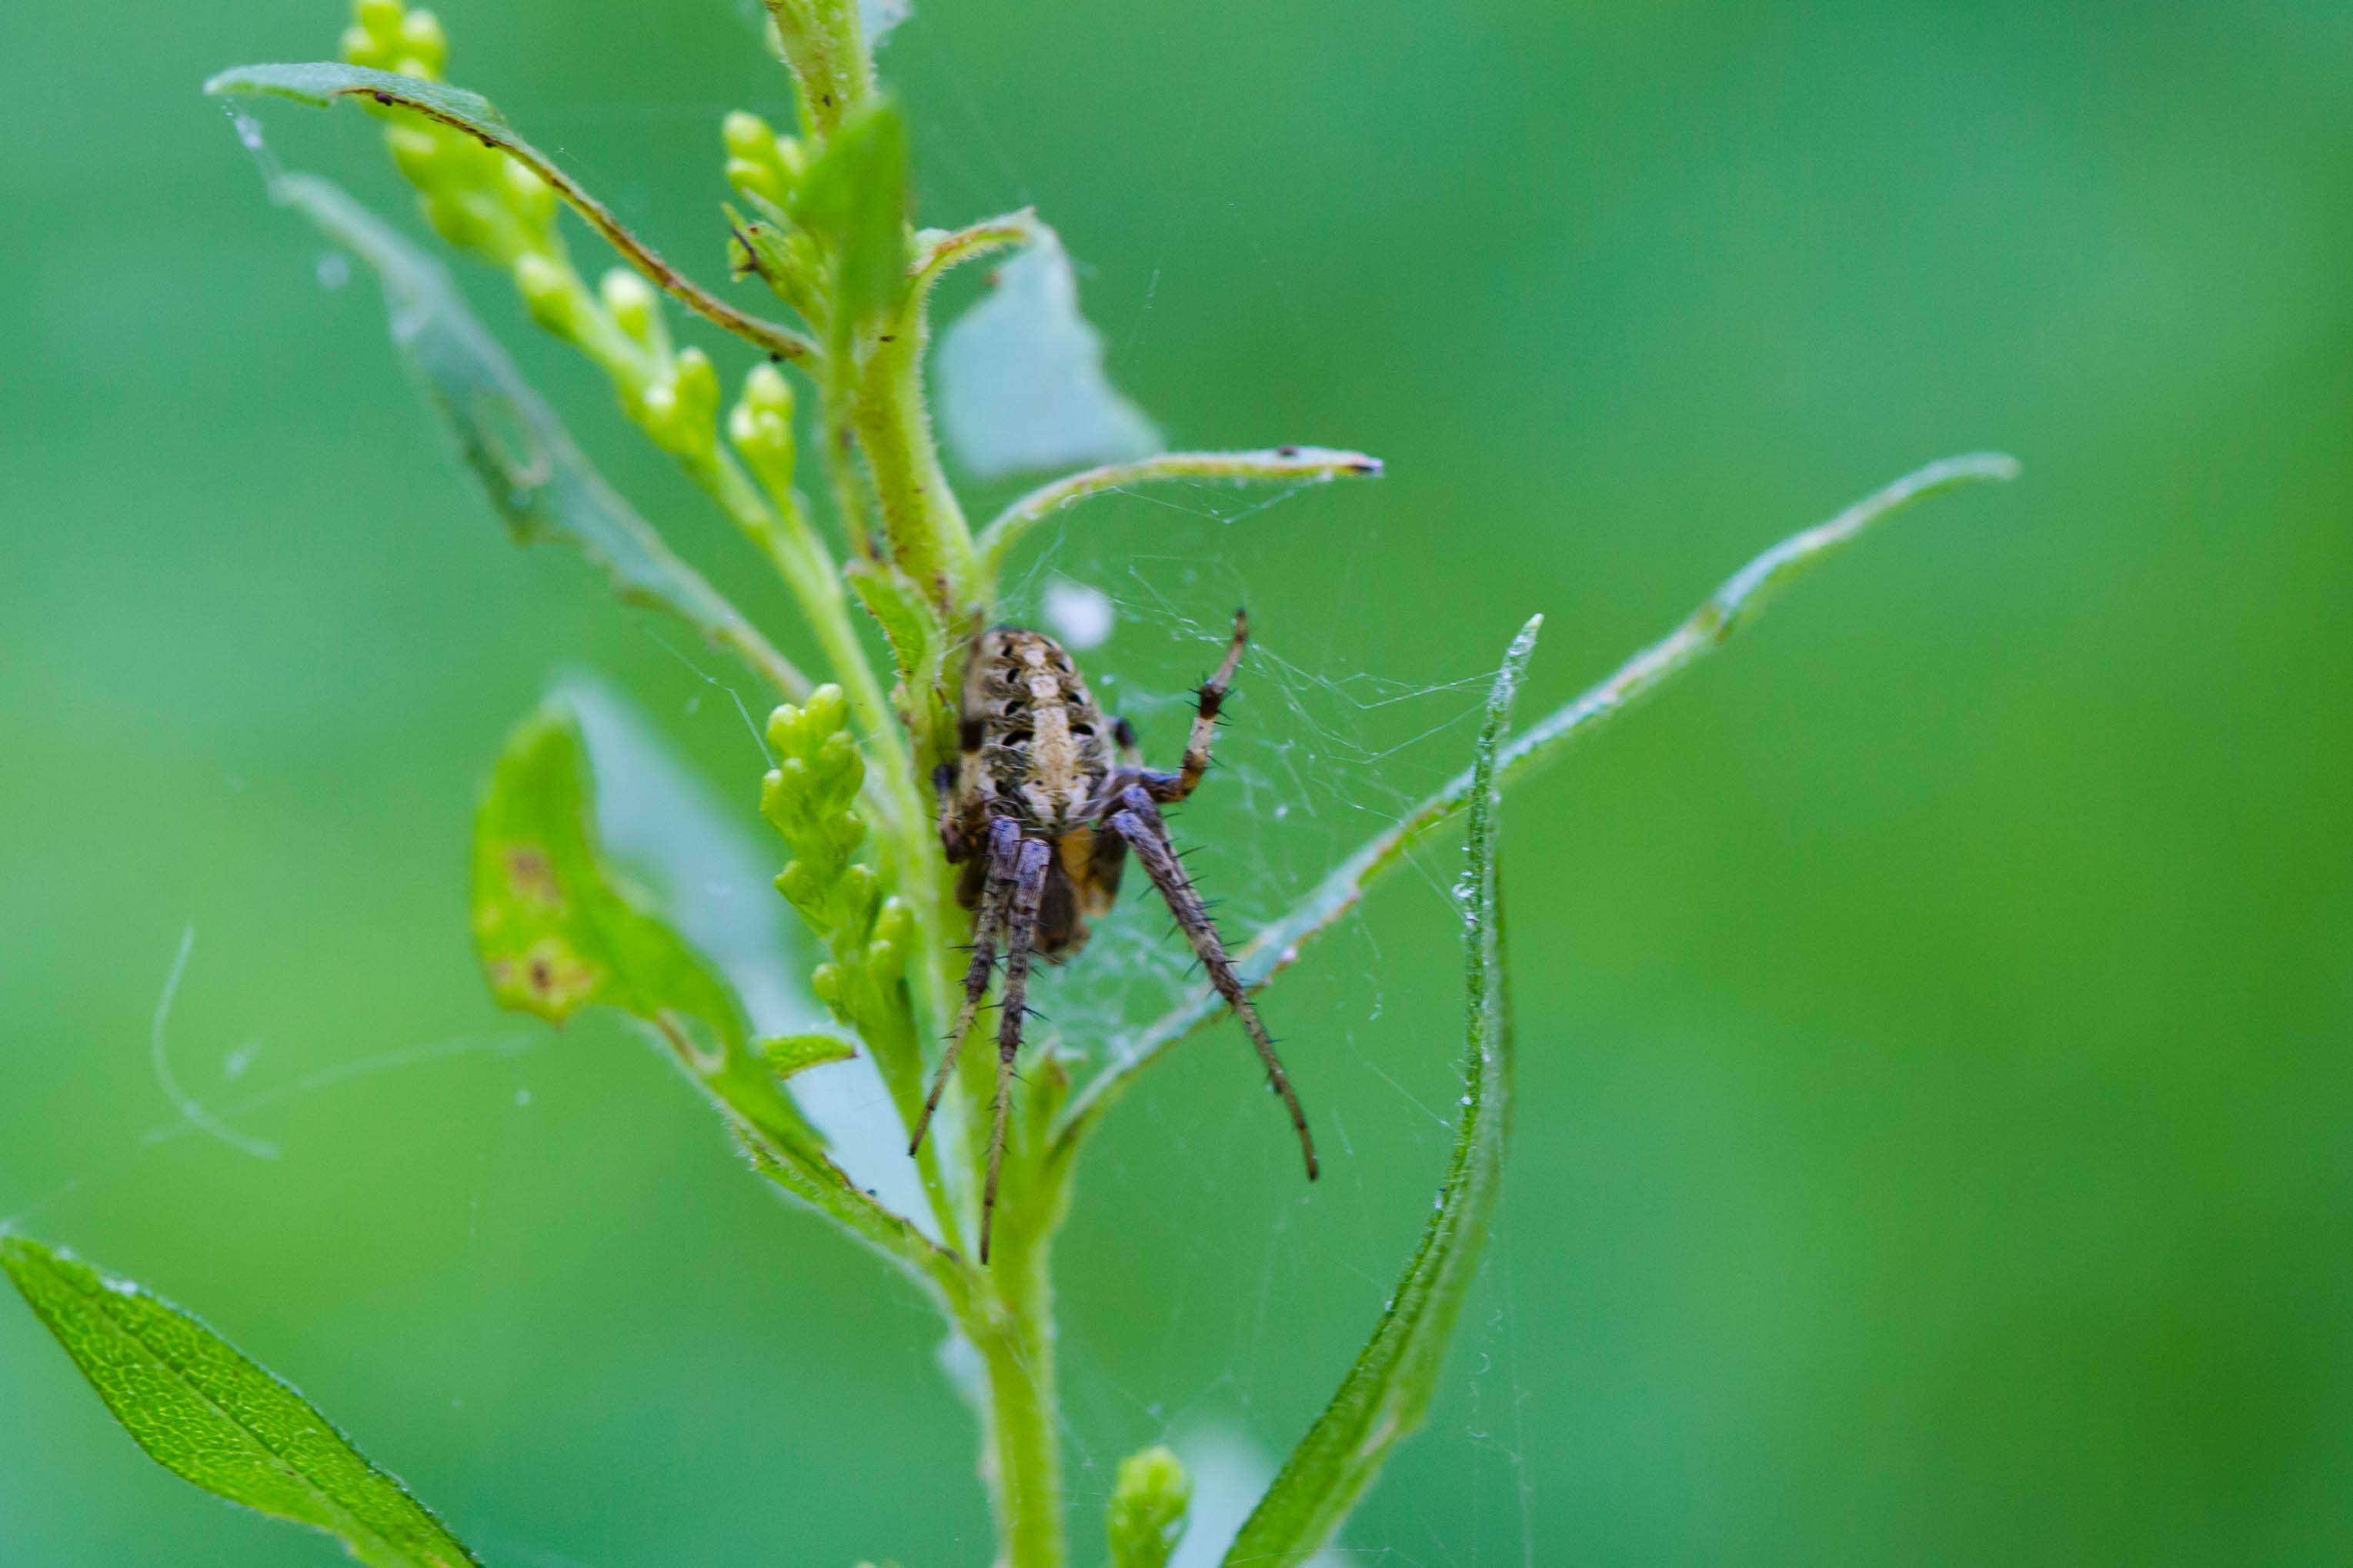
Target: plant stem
(1013, 1329)
(1305, 465)
(929, 539)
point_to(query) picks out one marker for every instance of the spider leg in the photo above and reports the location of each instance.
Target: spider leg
(1004, 842)
(1205, 722)
(1021, 929)
(1123, 734)
(1139, 822)
(953, 837)
(959, 785)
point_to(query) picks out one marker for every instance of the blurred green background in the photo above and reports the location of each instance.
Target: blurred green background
(1933, 1137)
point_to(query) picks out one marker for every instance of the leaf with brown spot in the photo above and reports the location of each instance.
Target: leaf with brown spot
(559, 929)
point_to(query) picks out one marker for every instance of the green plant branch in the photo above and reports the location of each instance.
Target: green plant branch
(938, 250)
(1731, 608)
(319, 84)
(1311, 465)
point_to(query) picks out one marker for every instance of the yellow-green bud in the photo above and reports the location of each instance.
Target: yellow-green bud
(531, 198)
(761, 427)
(551, 292)
(766, 391)
(361, 48)
(629, 299)
(456, 216)
(416, 153)
(746, 135)
(427, 45)
(380, 18)
(750, 175)
(760, 161)
(1147, 1509)
(698, 386)
(827, 711)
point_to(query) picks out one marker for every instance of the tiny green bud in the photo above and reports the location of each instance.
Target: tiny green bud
(761, 427)
(745, 134)
(698, 388)
(382, 18)
(456, 217)
(549, 292)
(427, 45)
(1147, 1509)
(766, 390)
(783, 725)
(827, 710)
(359, 46)
(830, 983)
(531, 198)
(798, 883)
(629, 299)
(750, 177)
(416, 153)
(839, 765)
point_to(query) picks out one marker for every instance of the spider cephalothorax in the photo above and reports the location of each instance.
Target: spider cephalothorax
(1041, 809)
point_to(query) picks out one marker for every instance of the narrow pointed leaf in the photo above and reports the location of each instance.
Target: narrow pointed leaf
(534, 477)
(855, 197)
(1022, 386)
(1286, 465)
(1387, 1392)
(321, 82)
(209, 1415)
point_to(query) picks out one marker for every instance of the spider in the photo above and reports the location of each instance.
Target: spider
(1041, 812)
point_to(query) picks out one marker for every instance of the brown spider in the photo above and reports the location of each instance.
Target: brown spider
(1041, 813)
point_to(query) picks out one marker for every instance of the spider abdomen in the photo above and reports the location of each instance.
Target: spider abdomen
(1043, 745)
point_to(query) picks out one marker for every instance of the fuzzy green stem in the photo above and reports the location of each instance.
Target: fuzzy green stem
(1299, 465)
(928, 536)
(826, 51)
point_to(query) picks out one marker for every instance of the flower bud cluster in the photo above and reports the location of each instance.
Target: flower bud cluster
(759, 162)
(1147, 1509)
(761, 427)
(766, 169)
(485, 203)
(476, 198)
(810, 798)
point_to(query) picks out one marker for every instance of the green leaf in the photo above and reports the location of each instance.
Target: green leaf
(789, 1054)
(320, 83)
(1147, 1509)
(207, 1413)
(535, 477)
(920, 648)
(1387, 1393)
(558, 930)
(855, 198)
(1022, 386)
